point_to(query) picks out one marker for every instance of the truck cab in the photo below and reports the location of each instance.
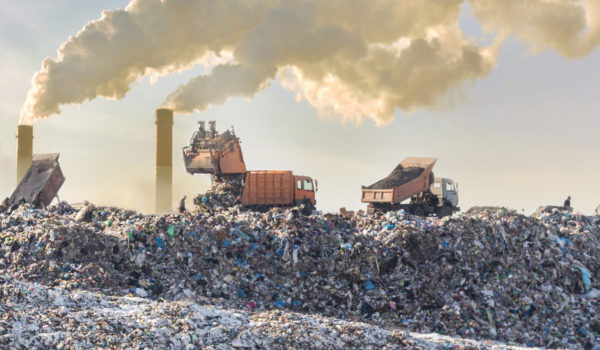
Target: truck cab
(446, 191)
(304, 187)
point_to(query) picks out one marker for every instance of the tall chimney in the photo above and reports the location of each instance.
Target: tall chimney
(164, 160)
(24, 150)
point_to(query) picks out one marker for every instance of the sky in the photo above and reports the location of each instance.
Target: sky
(522, 136)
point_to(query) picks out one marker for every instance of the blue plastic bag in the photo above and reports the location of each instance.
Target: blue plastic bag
(586, 276)
(160, 243)
(369, 285)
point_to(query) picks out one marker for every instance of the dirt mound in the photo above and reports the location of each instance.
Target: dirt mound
(478, 210)
(399, 176)
(546, 209)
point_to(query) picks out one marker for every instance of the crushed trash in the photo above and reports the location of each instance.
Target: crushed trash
(37, 317)
(291, 281)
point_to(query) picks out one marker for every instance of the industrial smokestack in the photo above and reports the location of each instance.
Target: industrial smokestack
(24, 150)
(164, 160)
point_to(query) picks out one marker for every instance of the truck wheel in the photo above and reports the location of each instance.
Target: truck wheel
(445, 210)
(418, 211)
(308, 207)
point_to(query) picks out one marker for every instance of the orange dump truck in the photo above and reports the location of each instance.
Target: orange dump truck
(264, 189)
(413, 180)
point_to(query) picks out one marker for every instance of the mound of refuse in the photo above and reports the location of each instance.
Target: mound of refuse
(43, 318)
(496, 275)
(399, 176)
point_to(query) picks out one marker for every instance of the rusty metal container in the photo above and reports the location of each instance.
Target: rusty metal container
(41, 182)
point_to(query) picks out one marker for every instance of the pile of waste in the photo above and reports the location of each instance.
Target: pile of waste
(34, 317)
(494, 275)
(224, 192)
(399, 176)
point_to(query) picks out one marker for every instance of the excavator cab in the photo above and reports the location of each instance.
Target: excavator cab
(211, 153)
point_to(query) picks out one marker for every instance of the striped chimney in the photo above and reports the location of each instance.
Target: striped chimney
(24, 150)
(164, 160)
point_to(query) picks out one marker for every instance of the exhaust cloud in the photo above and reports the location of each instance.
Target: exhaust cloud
(352, 59)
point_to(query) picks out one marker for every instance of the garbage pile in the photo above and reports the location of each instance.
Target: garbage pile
(399, 176)
(34, 317)
(224, 192)
(495, 275)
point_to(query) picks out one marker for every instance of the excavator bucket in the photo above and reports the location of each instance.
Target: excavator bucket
(200, 162)
(41, 183)
(211, 153)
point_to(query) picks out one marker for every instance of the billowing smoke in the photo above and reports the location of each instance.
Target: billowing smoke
(350, 58)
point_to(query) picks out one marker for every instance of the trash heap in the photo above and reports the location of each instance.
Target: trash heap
(495, 275)
(34, 317)
(222, 193)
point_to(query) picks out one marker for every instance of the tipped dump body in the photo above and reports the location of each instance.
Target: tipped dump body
(41, 182)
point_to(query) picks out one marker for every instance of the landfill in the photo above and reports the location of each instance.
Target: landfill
(220, 276)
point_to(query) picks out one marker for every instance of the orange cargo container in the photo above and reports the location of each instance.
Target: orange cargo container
(277, 188)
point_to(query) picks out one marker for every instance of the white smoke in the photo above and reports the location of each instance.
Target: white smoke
(350, 58)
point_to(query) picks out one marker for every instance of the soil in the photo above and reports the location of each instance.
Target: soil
(399, 176)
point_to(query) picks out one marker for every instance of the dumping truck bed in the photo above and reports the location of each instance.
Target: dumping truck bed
(41, 183)
(411, 177)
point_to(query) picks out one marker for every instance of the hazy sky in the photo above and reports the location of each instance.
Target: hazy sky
(524, 136)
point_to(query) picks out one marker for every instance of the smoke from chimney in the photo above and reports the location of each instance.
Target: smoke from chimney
(24, 150)
(354, 59)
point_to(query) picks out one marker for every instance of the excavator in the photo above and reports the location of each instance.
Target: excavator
(214, 154)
